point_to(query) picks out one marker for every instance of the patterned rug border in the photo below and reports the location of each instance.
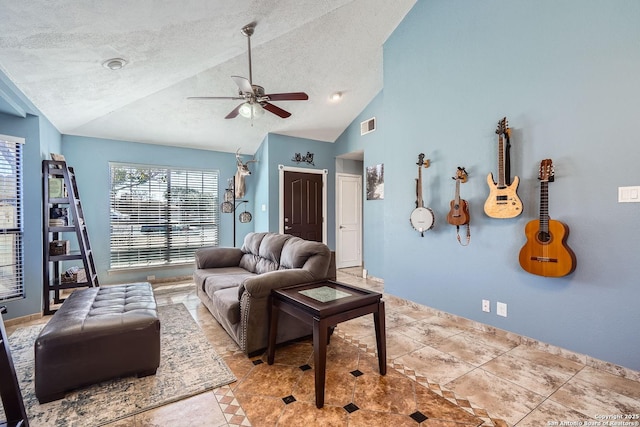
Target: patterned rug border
(53, 412)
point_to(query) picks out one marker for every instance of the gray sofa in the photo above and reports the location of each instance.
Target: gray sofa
(235, 283)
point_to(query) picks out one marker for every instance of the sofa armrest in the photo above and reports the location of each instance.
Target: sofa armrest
(262, 284)
(217, 257)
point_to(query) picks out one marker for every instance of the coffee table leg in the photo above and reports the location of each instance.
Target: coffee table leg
(320, 333)
(273, 330)
(381, 340)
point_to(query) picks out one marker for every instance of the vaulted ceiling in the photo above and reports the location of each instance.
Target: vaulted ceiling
(53, 52)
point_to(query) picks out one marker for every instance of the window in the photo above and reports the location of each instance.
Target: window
(161, 215)
(11, 278)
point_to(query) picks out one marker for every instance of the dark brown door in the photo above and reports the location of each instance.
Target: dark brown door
(303, 205)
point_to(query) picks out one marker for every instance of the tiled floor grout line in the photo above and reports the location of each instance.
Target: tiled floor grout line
(429, 385)
(548, 397)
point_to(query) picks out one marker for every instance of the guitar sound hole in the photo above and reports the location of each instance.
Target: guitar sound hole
(544, 237)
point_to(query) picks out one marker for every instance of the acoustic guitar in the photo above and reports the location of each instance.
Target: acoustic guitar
(459, 208)
(421, 218)
(546, 252)
(503, 201)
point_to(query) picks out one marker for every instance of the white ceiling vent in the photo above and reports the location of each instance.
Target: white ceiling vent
(368, 126)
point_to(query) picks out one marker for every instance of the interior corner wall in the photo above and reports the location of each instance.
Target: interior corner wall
(565, 75)
(375, 147)
(41, 138)
(561, 88)
(281, 149)
(259, 182)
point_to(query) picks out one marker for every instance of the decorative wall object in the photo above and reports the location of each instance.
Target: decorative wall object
(299, 158)
(375, 182)
(243, 171)
(231, 204)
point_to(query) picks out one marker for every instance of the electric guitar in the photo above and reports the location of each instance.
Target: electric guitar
(459, 209)
(546, 252)
(422, 219)
(503, 202)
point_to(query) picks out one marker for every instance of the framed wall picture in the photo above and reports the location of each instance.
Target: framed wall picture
(375, 182)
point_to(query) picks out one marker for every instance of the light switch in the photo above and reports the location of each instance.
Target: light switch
(629, 194)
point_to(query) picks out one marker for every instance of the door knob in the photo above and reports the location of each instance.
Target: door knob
(286, 227)
(341, 227)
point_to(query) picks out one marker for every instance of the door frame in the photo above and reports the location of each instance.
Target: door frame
(281, 170)
(360, 216)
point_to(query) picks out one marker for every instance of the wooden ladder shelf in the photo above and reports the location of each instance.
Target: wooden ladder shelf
(62, 217)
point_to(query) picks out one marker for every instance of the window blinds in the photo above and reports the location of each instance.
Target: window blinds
(11, 250)
(161, 215)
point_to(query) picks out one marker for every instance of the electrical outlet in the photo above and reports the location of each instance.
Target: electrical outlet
(501, 309)
(152, 277)
(486, 306)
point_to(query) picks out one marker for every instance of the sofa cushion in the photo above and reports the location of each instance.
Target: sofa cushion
(299, 253)
(271, 246)
(227, 304)
(200, 275)
(266, 257)
(217, 257)
(217, 282)
(252, 242)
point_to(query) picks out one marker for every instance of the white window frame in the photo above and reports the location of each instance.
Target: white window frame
(11, 221)
(152, 223)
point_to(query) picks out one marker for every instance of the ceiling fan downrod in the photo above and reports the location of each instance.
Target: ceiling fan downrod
(247, 30)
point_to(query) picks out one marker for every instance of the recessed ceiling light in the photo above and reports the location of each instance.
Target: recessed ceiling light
(114, 63)
(336, 96)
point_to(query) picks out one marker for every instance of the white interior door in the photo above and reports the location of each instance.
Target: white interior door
(349, 220)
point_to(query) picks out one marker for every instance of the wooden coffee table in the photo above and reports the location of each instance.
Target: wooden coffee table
(324, 304)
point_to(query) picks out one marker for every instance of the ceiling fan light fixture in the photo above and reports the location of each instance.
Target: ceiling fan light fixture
(114, 64)
(249, 110)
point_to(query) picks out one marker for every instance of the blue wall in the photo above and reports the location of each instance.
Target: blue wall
(376, 146)
(90, 158)
(41, 138)
(258, 182)
(565, 75)
(281, 150)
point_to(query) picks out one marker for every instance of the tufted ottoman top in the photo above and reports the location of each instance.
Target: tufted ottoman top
(102, 310)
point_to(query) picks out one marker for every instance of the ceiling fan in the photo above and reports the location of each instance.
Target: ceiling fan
(255, 100)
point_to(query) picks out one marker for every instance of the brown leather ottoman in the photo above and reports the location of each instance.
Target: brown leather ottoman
(98, 334)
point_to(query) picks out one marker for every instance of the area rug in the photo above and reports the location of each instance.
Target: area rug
(188, 365)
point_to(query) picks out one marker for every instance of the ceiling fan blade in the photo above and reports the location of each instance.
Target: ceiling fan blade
(214, 97)
(234, 113)
(291, 96)
(276, 110)
(243, 84)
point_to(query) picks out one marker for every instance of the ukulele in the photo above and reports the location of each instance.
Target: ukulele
(421, 218)
(459, 211)
(503, 202)
(546, 252)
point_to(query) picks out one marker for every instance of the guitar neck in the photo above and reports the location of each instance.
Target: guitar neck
(457, 198)
(419, 190)
(501, 174)
(544, 206)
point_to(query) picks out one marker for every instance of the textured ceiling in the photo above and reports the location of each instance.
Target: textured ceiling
(53, 51)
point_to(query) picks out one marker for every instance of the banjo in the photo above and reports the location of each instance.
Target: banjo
(421, 218)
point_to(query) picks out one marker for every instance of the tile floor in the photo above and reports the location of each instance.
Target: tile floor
(444, 371)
